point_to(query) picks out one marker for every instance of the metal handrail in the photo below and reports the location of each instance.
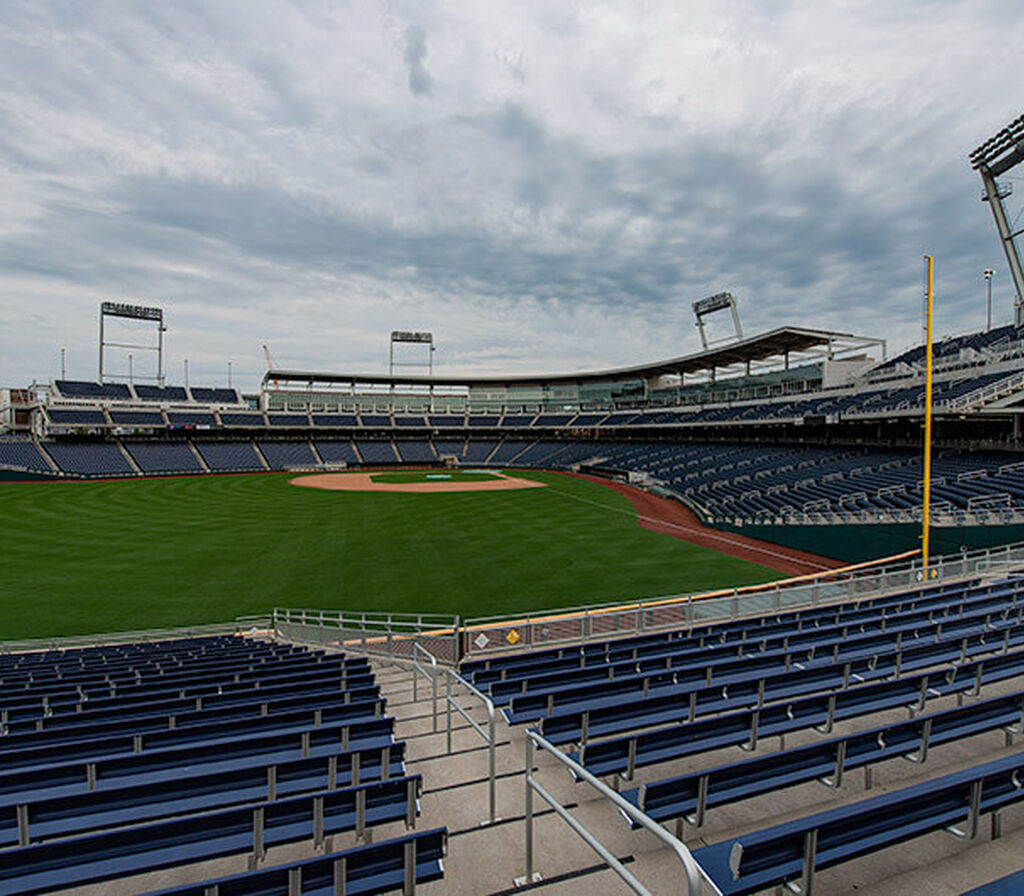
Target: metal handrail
(694, 876)
(433, 676)
(488, 736)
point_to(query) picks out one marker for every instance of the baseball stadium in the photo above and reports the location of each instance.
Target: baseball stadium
(746, 620)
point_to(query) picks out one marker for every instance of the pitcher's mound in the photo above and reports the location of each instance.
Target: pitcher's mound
(364, 482)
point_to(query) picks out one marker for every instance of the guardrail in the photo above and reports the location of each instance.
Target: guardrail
(489, 635)
(489, 735)
(991, 392)
(692, 875)
(241, 626)
(382, 634)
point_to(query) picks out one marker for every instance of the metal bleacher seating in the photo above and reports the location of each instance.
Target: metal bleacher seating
(124, 760)
(374, 868)
(645, 701)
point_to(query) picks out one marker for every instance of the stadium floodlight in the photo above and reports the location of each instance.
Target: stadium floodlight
(134, 312)
(993, 158)
(416, 337)
(718, 302)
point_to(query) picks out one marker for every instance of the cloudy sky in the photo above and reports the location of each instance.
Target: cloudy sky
(546, 186)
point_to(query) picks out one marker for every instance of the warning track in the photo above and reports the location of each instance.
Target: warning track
(677, 520)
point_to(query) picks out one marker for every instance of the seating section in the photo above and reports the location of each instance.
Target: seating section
(86, 389)
(834, 677)
(21, 454)
(164, 457)
(89, 458)
(76, 416)
(336, 452)
(124, 760)
(230, 456)
(191, 418)
(204, 394)
(282, 455)
(137, 418)
(377, 452)
(416, 452)
(299, 421)
(374, 868)
(246, 419)
(164, 394)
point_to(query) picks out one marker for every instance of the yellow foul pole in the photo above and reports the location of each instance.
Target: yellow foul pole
(929, 264)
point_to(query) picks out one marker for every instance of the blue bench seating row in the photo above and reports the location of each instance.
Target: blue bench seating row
(72, 671)
(792, 853)
(622, 709)
(171, 703)
(624, 753)
(361, 871)
(156, 729)
(93, 858)
(914, 645)
(83, 667)
(690, 796)
(1010, 885)
(196, 683)
(89, 766)
(39, 815)
(482, 672)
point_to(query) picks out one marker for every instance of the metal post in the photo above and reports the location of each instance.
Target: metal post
(927, 483)
(529, 810)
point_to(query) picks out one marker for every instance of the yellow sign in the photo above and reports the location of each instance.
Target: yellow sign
(512, 637)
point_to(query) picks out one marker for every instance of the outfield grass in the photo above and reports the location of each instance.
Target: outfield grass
(108, 556)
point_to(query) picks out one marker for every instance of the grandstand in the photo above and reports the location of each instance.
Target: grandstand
(782, 735)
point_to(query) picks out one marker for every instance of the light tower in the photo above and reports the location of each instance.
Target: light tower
(993, 158)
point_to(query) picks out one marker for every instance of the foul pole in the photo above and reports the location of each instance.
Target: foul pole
(929, 266)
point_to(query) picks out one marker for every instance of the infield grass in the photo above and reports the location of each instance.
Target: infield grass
(82, 557)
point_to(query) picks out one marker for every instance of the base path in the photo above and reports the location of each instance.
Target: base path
(673, 518)
(363, 482)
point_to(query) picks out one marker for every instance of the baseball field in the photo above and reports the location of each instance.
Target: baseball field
(81, 557)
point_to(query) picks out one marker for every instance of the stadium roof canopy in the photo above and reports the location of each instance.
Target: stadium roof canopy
(776, 348)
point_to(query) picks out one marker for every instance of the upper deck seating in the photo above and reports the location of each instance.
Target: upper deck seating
(166, 394)
(87, 389)
(76, 416)
(207, 395)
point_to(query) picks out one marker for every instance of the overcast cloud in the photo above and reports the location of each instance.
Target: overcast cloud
(546, 186)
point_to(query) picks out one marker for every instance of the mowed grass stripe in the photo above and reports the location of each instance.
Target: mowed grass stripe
(105, 556)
